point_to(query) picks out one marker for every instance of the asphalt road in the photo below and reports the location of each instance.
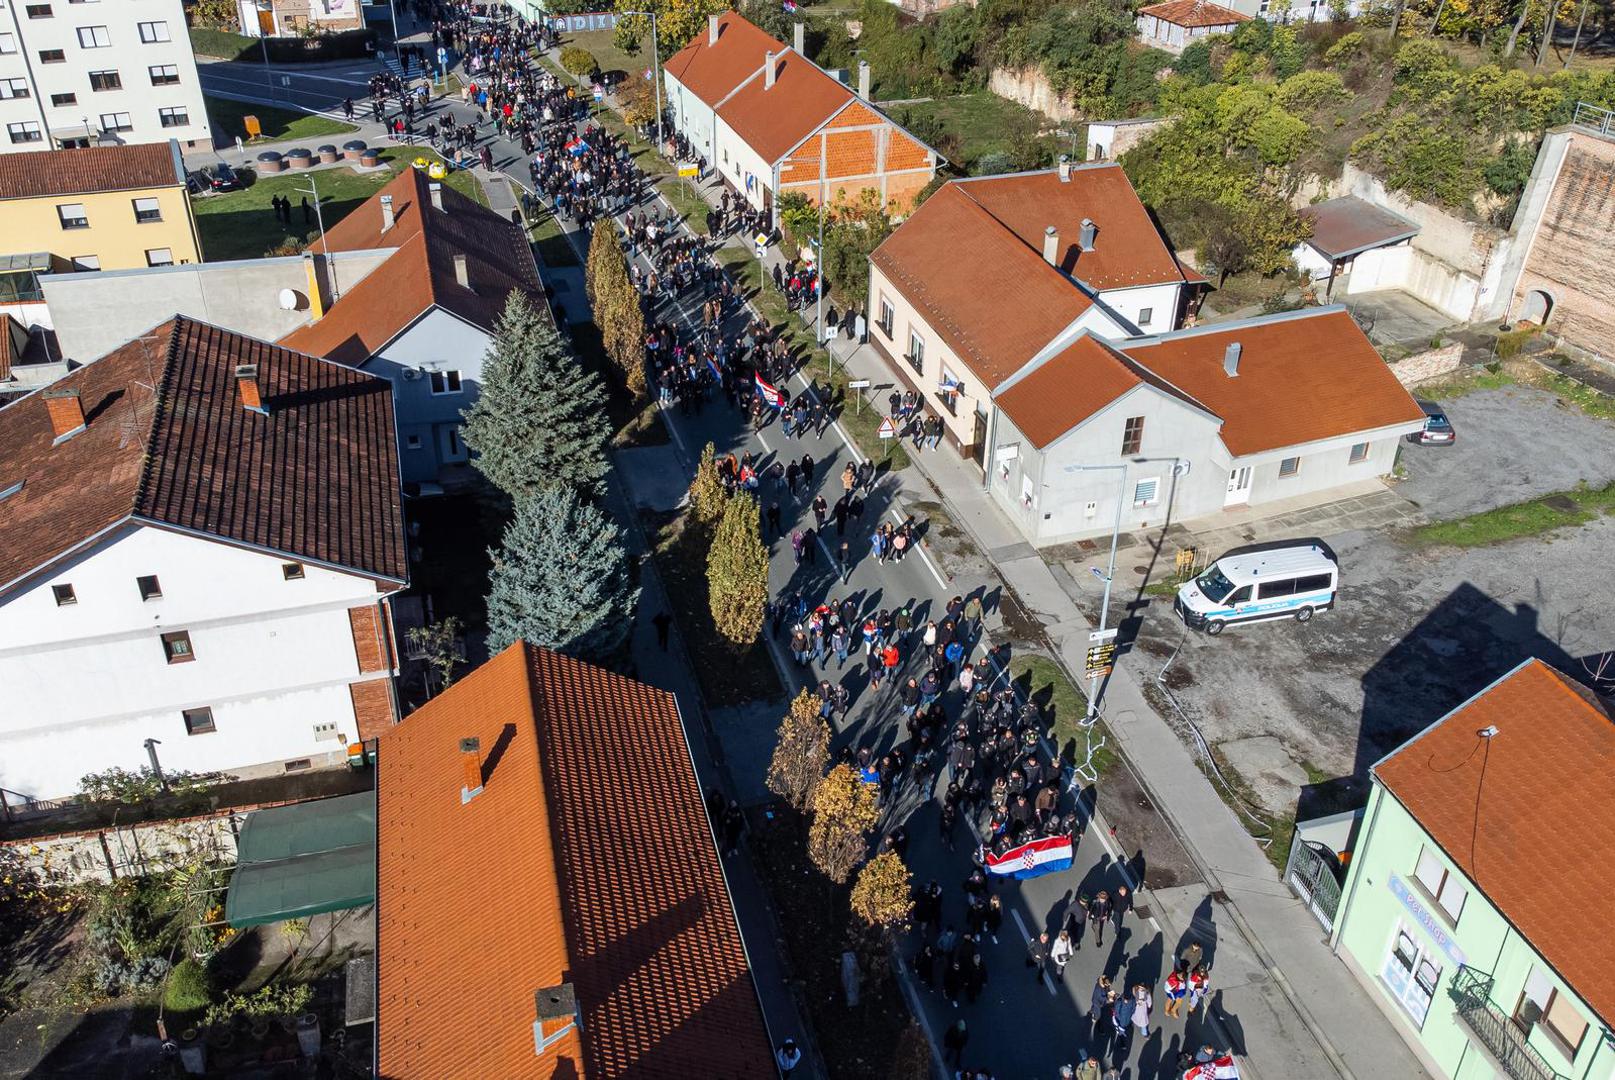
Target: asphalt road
(321, 89)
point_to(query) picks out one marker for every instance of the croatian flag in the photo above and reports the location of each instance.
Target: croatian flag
(771, 394)
(1049, 855)
(717, 373)
(577, 147)
(1222, 1068)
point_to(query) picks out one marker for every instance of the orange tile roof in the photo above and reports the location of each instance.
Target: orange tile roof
(420, 273)
(586, 858)
(1194, 13)
(710, 72)
(90, 169)
(774, 119)
(1534, 796)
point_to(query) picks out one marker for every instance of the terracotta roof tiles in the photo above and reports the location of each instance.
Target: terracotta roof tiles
(1194, 13)
(710, 72)
(1535, 795)
(90, 169)
(774, 119)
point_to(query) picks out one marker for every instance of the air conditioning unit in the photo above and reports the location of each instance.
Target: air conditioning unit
(411, 374)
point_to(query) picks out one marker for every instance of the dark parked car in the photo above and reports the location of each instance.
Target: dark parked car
(224, 178)
(1437, 429)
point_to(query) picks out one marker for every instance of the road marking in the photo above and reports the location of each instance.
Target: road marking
(1026, 937)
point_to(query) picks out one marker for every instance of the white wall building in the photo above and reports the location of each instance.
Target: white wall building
(198, 534)
(76, 71)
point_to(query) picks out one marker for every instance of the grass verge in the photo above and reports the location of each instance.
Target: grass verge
(1531, 518)
(633, 419)
(1598, 405)
(1044, 681)
(727, 676)
(223, 45)
(277, 125)
(549, 236)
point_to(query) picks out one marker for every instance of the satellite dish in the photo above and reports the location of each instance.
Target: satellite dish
(288, 300)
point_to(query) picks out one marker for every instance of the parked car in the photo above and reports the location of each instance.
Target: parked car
(1437, 429)
(223, 178)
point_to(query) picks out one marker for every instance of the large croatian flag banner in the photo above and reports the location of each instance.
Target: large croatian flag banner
(1049, 855)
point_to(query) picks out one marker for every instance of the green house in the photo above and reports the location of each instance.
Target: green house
(1478, 905)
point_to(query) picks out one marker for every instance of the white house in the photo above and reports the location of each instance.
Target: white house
(424, 317)
(74, 73)
(1176, 24)
(198, 536)
(1188, 423)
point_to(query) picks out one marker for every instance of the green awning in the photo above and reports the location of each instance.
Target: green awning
(304, 859)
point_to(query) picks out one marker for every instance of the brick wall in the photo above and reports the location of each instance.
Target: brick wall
(854, 160)
(1570, 257)
(372, 707)
(368, 640)
(1422, 367)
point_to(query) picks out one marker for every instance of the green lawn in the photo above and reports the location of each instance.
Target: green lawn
(240, 225)
(1531, 518)
(610, 58)
(278, 125)
(549, 236)
(223, 45)
(1045, 682)
(967, 127)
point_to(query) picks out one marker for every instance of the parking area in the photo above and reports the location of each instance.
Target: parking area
(1301, 711)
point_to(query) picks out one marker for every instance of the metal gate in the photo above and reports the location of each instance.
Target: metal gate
(1311, 874)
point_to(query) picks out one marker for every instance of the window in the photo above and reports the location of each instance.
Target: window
(1133, 435)
(86, 262)
(173, 116)
(1147, 492)
(291, 571)
(52, 56)
(159, 257)
(1269, 590)
(1359, 452)
(59, 100)
(1238, 596)
(949, 390)
(105, 80)
(38, 11)
(177, 647)
(1314, 583)
(72, 142)
(152, 32)
(1542, 1004)
(116, 121)
(8, 44)
(163, 74)
(1146, 316)
(412, 442)
(148, 210)
(916, 352)
(1411, 974)
(445, 382)
(1289, 466)
(72, 216)
(887, 317)
(25, 132)
(451, 437)
(199, 721)
(301, 764)
(14, 88)
(150, 587)
(64, 595)
(94, 37)
(1444, 888)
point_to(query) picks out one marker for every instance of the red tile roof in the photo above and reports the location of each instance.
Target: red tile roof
(91, 169)
(710, 72)
(1536, 795)
(1348, 225)
(772, 120)
(1303, 376)
(420, 273)
(586, 858)
(1194, 13)
(168, 441)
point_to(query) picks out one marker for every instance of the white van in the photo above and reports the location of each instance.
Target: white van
(1270, 581)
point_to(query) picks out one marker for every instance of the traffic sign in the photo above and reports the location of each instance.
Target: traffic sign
(887, 428)
(1103, 635)
(689, 170)
(760, 244)
(1100, 660)
(857, 384)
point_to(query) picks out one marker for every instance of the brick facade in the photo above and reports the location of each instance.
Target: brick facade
(862, 150)
(372, 707)
(1569, 259)
(370, 644)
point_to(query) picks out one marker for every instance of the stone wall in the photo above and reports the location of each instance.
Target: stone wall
(1569, 260)
(1029, 87)
(1426, 366)
(130, 850)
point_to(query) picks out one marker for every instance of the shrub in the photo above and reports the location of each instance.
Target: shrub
(580, 62)
(189, 988)
(1309, 90)
(1346, 49)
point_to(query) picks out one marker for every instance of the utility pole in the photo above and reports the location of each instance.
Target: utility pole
(1108, 577)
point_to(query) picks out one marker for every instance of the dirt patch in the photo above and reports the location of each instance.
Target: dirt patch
(1020, 625)
(1145, 840)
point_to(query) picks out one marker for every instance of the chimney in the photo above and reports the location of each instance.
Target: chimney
(437, 194)
(798, 36)
(1230, 360)
(1085, 239)
(251, 394)
(556, 1008)
(66, 413)
(1065, 168)
(386, 212)
(1051, 246)
(863, 79)
(471, 769)
(316, 295)
(712, 29)
(768, 71)
(461, 273)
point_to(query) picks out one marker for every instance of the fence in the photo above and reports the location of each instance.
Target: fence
(1312, 876)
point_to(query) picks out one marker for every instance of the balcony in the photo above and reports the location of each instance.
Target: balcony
(1471, 992)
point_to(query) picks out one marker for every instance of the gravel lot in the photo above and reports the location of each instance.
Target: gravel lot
(1416, 631)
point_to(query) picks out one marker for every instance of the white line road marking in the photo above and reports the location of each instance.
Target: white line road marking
(1026, 936)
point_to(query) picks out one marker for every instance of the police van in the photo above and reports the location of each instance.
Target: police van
(1286, 580)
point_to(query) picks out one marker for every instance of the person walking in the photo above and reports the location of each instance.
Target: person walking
(1199, 984)
(1177, 988)
(1192, 955)
(1098, 915)
(1097, 1002)
(1088, 1070)
(1121, 1020)
(1143, 1003)
(954, 1042)
(844, 560)
(1037, 954)
(796, 545)
(788, 1056)
(1060, 954)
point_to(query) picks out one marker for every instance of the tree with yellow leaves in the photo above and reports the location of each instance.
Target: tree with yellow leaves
(882, 897)
(707, 494)
(801, 752)
(844, 810)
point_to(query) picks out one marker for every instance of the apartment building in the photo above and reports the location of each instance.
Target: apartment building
(77, 72)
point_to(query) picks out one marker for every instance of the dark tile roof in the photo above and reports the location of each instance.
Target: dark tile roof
(91, 169)
(1348, 226)
(168, 441)
(587, 858)
(420, 273)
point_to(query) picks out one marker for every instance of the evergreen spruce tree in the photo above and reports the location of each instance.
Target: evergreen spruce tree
(615, 303)
(737, 572)
(540, 419)
(560, 579)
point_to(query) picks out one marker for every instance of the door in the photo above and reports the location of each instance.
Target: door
(1239, 487)
(266, 22)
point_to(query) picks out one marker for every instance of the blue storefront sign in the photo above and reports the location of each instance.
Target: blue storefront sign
(1433, 925)
(583, 23)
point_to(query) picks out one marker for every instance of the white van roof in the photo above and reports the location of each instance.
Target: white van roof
(1244, 567)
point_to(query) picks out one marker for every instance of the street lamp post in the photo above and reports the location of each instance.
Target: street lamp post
(1109, 575)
